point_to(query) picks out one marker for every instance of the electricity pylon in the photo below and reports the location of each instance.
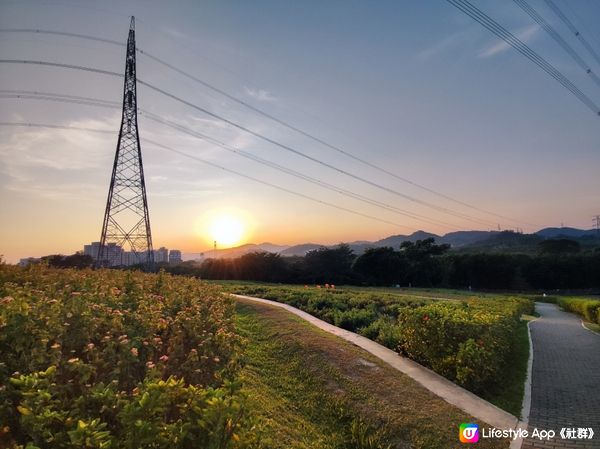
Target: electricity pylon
(126, 221)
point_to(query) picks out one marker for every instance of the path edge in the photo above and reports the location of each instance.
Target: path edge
(588, 329)
(526, 404)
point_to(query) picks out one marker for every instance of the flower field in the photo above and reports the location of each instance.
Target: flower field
(468, 339)
(111, 359)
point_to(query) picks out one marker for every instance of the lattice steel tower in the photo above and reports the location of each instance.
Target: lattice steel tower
(126, 222)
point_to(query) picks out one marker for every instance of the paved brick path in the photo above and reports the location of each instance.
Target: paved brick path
(565, 378)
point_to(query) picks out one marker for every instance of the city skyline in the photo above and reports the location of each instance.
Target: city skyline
(454, 109)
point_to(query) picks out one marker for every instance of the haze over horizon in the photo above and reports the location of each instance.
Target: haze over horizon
(418, 89)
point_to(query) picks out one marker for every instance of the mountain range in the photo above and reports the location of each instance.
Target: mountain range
(459, 240)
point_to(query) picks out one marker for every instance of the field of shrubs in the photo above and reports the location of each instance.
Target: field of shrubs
(117, 359)
(112, 359)
(467, 340)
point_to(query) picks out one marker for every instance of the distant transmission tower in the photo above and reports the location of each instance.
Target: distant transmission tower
(126, 222)
(596, 221)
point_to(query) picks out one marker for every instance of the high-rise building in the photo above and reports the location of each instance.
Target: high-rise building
(174, 256)
(91, 250)
(161, 255)
(120, 258)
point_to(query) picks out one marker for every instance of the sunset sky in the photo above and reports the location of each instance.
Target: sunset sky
(417, 88)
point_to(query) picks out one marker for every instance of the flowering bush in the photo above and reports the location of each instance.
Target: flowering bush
(112, 359)
(587, 308)
(462, 342)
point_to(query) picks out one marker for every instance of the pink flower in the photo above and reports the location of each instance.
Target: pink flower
(134, 352)
(55, 346)
(73, 360)
(164, 358)
(150, 365)
(91, 346)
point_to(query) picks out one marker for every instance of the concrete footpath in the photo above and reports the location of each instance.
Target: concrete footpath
(565, 389)
(450, 392)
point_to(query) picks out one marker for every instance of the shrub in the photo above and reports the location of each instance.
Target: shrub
(115, 359)
(354, 319)
(463, 343)
(587, 308)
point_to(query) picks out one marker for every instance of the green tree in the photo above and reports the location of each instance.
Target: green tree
(381, 266)
(423, 265)
(559, 246)
(333, 265)
(261, 266)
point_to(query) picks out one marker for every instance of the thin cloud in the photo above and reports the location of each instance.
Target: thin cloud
(260, 94)
(526, 35)
(173, 32)
(440, 46)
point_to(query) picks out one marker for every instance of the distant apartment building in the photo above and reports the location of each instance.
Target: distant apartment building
(28, 261)
(161, 255)
(91, 250)
(175, 256)
(116, 257)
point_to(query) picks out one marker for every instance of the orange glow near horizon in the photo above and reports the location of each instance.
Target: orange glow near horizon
(227, 230)
(228, 227)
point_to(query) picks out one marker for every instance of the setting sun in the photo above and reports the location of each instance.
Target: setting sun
(226, 230)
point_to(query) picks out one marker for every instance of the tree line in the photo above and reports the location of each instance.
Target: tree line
(418, 264)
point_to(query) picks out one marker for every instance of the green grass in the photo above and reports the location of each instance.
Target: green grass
(509, 395)
(592, 326)
(403, 292)
(314, 390)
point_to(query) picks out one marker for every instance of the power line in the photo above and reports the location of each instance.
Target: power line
(256, 134)
(525, 50)
(212, 164)
(294, 173)
(557, 37)
(62, 33)
(573, 30)
(263, 113)
(45, 96)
